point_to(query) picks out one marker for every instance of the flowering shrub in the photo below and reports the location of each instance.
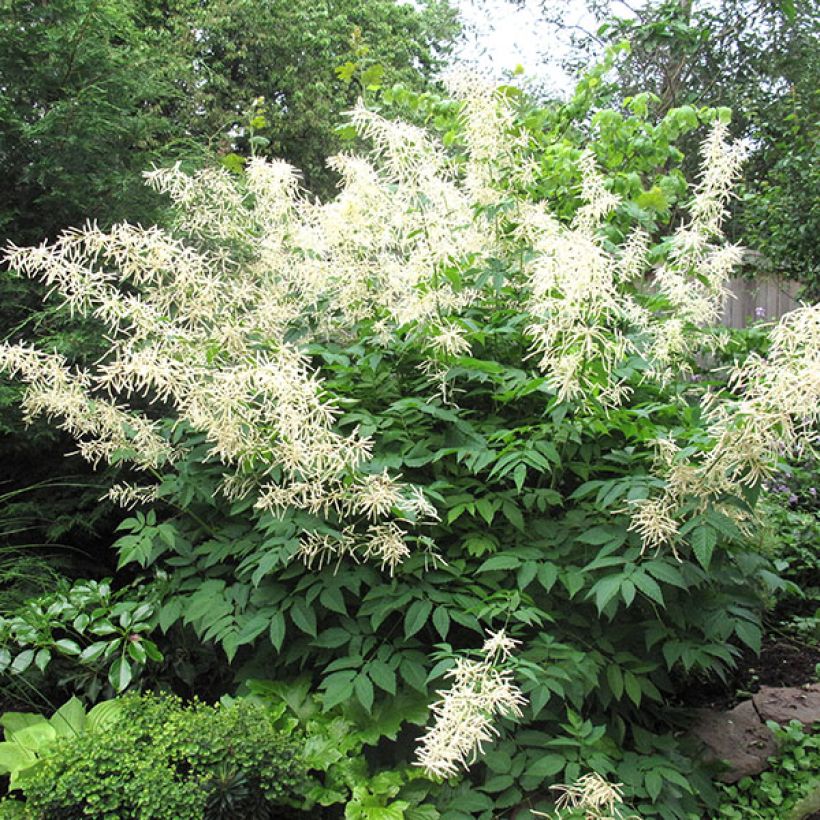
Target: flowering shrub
(379, 426)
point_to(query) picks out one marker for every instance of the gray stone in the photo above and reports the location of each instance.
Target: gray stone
(738, 737)
(782, 704)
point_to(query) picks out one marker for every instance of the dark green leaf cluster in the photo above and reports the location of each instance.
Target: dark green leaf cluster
(95, 92)
(163, 759)
(104, 632)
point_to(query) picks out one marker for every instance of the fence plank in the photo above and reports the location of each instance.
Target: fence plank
(773, 296)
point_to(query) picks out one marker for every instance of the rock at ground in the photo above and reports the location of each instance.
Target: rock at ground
(790, 703)
(738, 737)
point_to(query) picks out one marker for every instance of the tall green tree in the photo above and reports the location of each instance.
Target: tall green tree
(757, 57)
(309, 61)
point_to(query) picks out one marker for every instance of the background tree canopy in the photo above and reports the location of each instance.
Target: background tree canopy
(757, 57)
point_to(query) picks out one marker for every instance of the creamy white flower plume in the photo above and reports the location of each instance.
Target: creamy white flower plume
(464, 716)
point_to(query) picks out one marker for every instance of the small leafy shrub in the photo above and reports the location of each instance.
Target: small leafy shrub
(162, 759)
(789, 790)
(433, 438)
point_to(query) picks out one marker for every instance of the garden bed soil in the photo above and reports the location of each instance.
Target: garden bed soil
(782, 662)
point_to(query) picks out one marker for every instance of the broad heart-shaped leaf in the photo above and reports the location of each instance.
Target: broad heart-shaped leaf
(103, 714)
(14, 757)
(35, 737)
(70, 719)
(703, 544)
(12, 721)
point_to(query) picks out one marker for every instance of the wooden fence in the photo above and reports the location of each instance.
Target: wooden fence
(769, 296)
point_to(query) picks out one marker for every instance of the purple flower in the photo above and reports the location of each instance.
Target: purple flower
(792, 499)
(760, 313)
(812, 492)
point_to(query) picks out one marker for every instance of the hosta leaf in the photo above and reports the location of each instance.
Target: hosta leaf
(70, 719)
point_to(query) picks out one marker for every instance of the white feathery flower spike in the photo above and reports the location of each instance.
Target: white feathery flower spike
(464, 715)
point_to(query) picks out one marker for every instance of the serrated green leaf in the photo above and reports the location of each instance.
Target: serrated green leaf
(416, 617)
(441, 621)
(382, 675)
(605, 590)
(648, 585)
(750, 634)
(277, 630)
(363, 689)
(500, 562)
(703, 540)
(615, 679)
(632, 687)
(546, 765)
(332, 638)
(303, 617)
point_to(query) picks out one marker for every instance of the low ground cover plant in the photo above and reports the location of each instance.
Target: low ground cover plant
(155, 757)
(436, 446)
(789, 789)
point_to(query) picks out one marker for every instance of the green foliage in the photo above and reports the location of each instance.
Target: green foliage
(334, 752)
(758, 59)
(640, 152)
(792, 525)
(30, 738)
(534, 534)
(534, 496)
(161, 759)
(789, 790)
(308, 62)
(95, 92)
(102, 632)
